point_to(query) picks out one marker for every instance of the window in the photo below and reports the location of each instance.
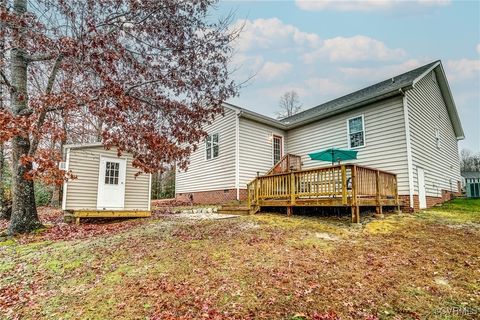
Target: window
(211, 146)
(437, 138)
(111, 172)
(356, 132)
(277, 149)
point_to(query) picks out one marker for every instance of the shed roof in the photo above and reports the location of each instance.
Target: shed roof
(471, 174)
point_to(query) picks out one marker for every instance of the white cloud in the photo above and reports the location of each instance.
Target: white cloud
(244, 66)
(462, 69)
(271, 34)
(274, 71)
(357, 48)
(313, 90)
(478, 48)
(379, 73)
(368, 5)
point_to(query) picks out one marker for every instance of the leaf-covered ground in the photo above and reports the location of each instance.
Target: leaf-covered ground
(266, 266)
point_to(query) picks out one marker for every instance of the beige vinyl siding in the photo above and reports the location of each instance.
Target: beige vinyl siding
(217, 173)
(385, 140)
(256, 149)
(82, 191)
(427, 111)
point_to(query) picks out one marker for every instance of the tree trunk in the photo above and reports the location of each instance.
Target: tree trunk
(24, 212)
(3, 214)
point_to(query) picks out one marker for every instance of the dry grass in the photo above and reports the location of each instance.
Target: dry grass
(256, 267)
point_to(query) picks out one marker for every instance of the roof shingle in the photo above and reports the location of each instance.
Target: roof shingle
(337, 105)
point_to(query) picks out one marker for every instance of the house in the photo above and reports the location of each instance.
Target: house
(471, 181)
(407, 125)
(106, 185)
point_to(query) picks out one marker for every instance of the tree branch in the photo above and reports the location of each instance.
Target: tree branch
(39, 57)
(43, 114)
(6, 82)
(53, 74)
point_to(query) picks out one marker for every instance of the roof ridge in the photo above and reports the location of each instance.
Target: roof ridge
(356, 92)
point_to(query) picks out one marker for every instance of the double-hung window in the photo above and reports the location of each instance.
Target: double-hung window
(356, 132)
(211, 146)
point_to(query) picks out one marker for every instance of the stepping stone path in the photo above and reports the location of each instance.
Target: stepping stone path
(204, 214)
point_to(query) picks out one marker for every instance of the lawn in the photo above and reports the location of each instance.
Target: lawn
(267, 266)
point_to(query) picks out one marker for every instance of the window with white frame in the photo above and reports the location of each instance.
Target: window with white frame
(356, 132)
(437, 137)
(112, 170)
(277, 149)
(211, 146)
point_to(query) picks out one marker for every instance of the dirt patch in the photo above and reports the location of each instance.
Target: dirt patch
(250, 267)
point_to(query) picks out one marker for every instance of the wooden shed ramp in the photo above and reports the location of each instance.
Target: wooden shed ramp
(78, 214)
(335, 186)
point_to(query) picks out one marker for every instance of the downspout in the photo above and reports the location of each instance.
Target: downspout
(237, 153)
(409, 148)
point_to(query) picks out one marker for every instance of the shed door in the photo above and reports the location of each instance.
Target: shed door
(422, 199)
(111, 183)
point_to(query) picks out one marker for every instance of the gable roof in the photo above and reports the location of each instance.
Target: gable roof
(394, 86)
(391, 85)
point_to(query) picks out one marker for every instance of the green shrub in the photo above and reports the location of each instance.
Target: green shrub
(43, 194)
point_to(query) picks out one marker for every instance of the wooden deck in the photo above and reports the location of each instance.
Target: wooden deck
(78, 214)
(335, 186)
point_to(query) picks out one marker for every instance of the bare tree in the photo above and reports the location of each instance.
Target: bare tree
(469, 161)
(289, 105)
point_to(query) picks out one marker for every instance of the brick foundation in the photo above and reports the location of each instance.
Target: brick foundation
(431, 201)
(212, 197)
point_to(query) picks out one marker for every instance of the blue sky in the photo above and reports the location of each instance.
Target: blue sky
(325, 49)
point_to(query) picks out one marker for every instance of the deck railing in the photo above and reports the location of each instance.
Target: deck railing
(289, 162)
(338, 185)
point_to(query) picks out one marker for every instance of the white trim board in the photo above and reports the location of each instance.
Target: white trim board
(409, 149)
(65, 183)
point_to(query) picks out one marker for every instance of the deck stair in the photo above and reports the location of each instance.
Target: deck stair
(288, 163)
(242, 209)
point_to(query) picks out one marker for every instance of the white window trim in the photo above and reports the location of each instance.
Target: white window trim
(218, 143)
(273, 148)
(363, 129)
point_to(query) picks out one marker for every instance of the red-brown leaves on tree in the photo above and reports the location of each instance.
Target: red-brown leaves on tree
(145, 76)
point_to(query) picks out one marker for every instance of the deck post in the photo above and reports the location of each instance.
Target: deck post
(289, 210)
(379, 209)
(292, 189)
(256, 189)
(397, 200)
(355, 208)
(344, 185)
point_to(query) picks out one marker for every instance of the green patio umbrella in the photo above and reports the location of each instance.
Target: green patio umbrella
(333, 155)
